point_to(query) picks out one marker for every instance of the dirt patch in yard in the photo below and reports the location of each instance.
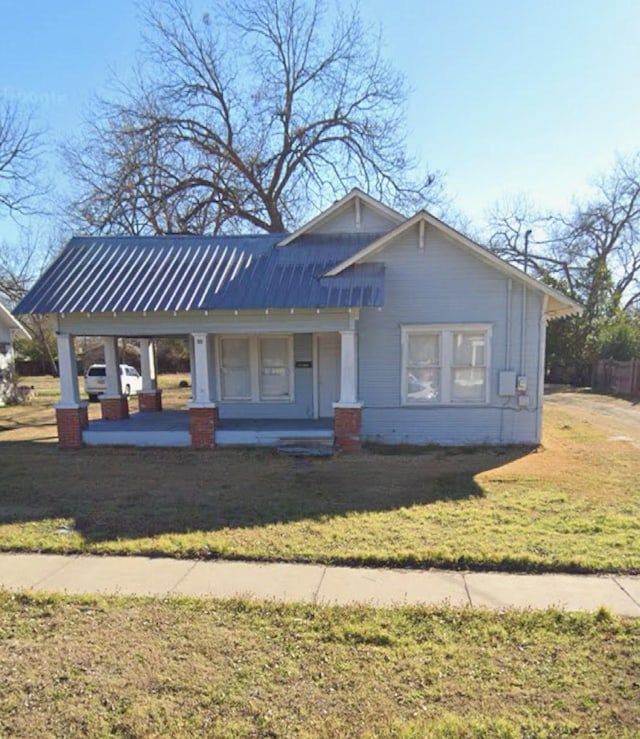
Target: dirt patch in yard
(618, 417)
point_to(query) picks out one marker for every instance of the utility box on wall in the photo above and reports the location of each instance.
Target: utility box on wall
(507, 384)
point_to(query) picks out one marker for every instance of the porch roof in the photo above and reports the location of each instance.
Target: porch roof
(195, 273)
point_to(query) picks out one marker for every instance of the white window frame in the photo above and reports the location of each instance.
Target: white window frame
(255, 367)
(445, 332)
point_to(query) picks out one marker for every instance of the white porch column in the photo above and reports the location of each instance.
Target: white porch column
(68, 370)
(114, 387)
(148, 365)
(192, 367)
(348, 367)
(201, 368)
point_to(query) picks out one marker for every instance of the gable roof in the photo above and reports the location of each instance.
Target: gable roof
(12, 323)
(351, 197)
(558, 305)
(182, 273)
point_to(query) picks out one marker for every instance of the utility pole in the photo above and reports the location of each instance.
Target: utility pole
(527, 234)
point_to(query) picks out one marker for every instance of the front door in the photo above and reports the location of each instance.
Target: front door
(328, 373)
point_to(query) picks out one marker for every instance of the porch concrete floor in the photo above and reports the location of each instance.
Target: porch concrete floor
(171, 428)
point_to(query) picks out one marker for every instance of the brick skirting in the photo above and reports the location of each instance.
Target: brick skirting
(347, 424)
(114, 409)
(70, 423)
(151, 401)
(203, 422)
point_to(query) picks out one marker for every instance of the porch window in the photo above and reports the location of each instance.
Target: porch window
(445, 364)
(235, 369)
(256, 368)
(275, 370)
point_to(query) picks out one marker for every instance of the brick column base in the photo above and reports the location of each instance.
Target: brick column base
(347, 425)
(70, 422)
(114, 409)
(84, 415)
(150, 401)
(203, 422)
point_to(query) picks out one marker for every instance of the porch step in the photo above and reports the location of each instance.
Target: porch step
(326, 439)
(308, 449)
(274, 437)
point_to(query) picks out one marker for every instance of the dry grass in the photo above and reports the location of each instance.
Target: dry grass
(180, 668)
(35, 421)
(571, 506)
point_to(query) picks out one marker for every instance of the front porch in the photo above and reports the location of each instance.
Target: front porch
(171, 428)
(269, 387)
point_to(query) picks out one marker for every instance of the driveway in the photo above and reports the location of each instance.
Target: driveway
(618, 417)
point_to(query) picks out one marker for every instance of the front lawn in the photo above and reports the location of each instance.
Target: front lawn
(181, 668)
(570, 506)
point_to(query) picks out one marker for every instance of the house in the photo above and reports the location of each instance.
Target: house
(381, 327)
(9, 328)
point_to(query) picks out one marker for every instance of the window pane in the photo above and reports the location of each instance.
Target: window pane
(274, 352)
(468, 384)
(424, 350)
(274, 383)
(235, 369)
(423, 385)
(274, 368)
(235, 352)
(468, 349)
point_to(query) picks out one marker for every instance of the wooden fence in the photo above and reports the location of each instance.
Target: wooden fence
(622, 378)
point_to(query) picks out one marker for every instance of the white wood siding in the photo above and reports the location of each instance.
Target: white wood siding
(442, 284)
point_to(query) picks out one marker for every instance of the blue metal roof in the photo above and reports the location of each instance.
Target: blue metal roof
(182, 273)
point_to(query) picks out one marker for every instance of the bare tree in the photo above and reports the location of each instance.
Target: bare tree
(252, 117)
(21, 263)
(593, 254)
(20, 149)
(133, 182)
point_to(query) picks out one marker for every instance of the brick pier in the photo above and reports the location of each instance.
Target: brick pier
(347, 424)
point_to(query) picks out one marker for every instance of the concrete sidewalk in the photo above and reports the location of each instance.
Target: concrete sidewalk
(315, 583)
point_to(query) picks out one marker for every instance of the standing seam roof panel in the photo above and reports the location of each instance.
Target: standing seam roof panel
(204, 273)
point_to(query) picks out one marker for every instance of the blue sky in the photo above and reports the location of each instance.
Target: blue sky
(507, 97)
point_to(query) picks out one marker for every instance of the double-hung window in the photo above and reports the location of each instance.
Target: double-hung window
(275, 357)
(255, 368)
(235, 368)
(445, 364)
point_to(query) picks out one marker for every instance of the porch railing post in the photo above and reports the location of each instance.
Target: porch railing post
(67, 368)
(148, 365)
(71, 413)
(348, 367)
(113, 404)
(114, 386)
(203, 411)
(347, 411)
(150, 397)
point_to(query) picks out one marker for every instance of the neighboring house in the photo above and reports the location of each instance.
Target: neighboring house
(9, 328)
(398, 330)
